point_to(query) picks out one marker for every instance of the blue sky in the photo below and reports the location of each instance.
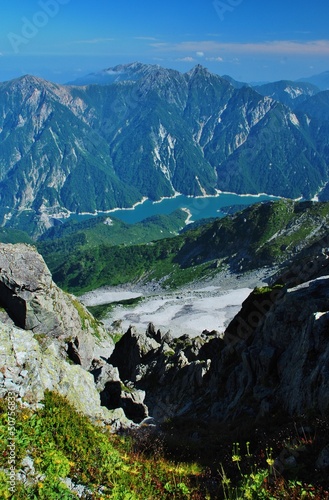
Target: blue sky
(251, 40)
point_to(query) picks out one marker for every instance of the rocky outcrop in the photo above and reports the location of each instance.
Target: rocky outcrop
(49, 341)
(170, 371)
(272, 358)
(281, 363)
(132, 352)
(29, 367)
(33, 302)
(114, 394)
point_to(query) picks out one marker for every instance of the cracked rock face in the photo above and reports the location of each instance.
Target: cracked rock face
(34, 302)
(43, 331)
(169, 375)
(282, 364)
(28, 293)
(28, 369)
(23, 277)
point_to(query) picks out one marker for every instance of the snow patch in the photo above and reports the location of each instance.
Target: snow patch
(293, 92)
(294, 120)
(162, 132)
(190, 312)
(203, 191)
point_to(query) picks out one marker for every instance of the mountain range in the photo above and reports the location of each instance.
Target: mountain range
(321, 80)
(152, 132)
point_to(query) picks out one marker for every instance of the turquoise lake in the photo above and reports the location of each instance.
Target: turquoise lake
(200, 208)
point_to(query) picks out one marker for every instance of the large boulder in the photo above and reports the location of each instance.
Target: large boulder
(34, 302)
(49, 340)
(167, 370)
(29, 368)
(279, 362)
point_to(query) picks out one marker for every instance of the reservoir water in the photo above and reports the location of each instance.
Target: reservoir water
(200, 208)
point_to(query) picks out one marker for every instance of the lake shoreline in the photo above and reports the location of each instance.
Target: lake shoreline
(199, 207)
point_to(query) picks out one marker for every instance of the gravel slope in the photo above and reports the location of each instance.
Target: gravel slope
(208, 305)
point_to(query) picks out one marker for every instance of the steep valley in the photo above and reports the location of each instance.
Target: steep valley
(152, 133)
(166, 358)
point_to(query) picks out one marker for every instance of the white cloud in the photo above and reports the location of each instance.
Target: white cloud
(94, 41)
(200, 54)
(185, 59)
(215, 59)
(283, 47)
(160, 45)
(147, 38)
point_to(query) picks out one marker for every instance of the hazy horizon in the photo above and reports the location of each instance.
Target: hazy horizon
(61, 40)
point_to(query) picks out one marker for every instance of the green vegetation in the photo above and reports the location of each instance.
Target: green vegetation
(271, 461)
(87, 320)
(8, 235)
(266, 289)
(62, 443)
(101, 311)
(59, 242)
(263, 483)
(106, 265)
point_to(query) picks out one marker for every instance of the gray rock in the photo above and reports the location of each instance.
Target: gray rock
(117, 420)
(132, 350)
(148, 421)
(104, 374)
(132, 402)
(35, 303)
(283, 364)
(27, 474)
(323, 459)
(28, 370)
(79, 489)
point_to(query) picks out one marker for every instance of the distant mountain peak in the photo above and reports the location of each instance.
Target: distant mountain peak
(321, 80)
(130, 68)
(28, 83)
(198, 70)
(29, 80)
(122, 72)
